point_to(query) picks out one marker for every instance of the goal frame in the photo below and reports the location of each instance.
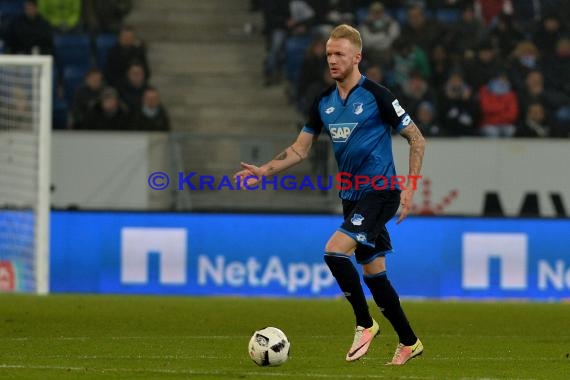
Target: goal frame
(43, 180)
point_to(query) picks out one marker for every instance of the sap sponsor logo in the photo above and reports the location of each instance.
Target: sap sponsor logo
(509, 249)
(137, 244)
(252, 273)
(341, 132)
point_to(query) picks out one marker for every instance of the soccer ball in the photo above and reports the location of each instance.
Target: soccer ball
(269, 347)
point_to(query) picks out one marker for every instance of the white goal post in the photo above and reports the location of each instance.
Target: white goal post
(25, 151)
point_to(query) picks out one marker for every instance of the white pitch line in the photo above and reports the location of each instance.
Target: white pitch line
(208, 373)
(197, 337)
(498, 359)
(246, 373)
(206, 337)
(223, 357)
(128, 357)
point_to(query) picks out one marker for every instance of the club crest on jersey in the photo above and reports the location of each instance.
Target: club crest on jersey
(341, 132)
(329, 110)
(357, 219)
(358, 108)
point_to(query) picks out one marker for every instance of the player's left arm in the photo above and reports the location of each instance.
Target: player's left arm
(417, 144)
(394, 115)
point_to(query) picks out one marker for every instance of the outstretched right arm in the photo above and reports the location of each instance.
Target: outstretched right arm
(289, 157)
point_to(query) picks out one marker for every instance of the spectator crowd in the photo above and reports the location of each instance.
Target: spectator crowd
(101, 73)
(494, 68)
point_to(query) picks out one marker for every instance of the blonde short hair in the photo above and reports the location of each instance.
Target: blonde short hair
(348, 32)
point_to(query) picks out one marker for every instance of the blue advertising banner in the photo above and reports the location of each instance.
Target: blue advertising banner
(17, 251)
(281, 255)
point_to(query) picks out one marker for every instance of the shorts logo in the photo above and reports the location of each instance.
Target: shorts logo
(407, 120)
(341, 132)
(361, 237)
(398, 108)
(357, 219)
(358, 108)
(329, 110)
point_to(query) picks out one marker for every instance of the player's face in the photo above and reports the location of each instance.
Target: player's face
(342, 57)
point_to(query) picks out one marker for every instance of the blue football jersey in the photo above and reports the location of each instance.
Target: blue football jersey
(360, 128)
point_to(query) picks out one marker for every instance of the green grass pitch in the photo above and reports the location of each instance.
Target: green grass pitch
(141, 337)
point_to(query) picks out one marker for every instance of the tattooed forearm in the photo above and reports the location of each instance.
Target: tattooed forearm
(291, 156)
(412, 134)
(412, 139)
(417, 148)
(416, 159)
(281, 156)
(297, 153)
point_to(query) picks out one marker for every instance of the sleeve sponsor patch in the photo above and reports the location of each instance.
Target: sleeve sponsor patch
(399, 110)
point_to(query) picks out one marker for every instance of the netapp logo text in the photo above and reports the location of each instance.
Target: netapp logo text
(556, 276)
(253, 273)
(510, 250)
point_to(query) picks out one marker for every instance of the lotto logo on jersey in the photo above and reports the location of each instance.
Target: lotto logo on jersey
(398, 108)
(341, 132)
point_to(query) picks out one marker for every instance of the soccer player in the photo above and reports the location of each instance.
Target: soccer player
(358, 115)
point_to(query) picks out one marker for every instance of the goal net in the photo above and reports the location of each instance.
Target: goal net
(25, 131)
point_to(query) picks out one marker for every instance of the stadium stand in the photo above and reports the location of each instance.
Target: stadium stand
(104, 42)
(476, 39)
(73, 50)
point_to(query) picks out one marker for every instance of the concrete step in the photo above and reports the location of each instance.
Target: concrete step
(155, 32)
(193, 58)
(244, 80)
(168, 17)
(216, 6)
(214, 127)
(234, 89)
(203, 66)
(207, 95)
(234, 117)
(240, 125)
(194, 20)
